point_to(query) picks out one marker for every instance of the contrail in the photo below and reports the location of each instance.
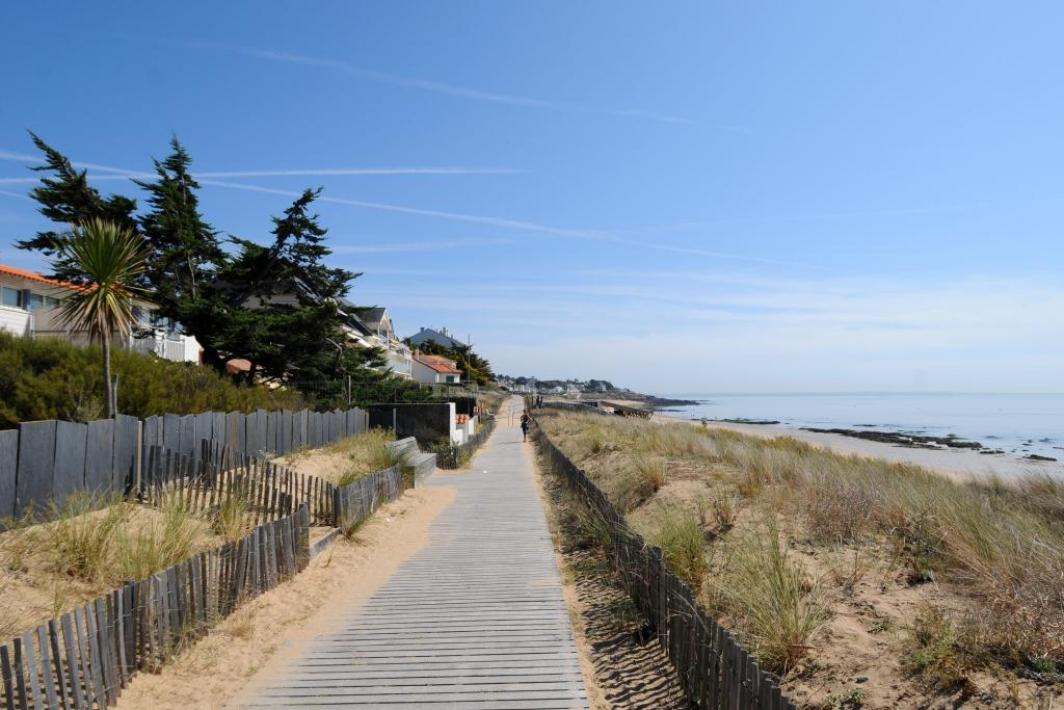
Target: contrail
(500, 222)
(440, 87)
(299, 172)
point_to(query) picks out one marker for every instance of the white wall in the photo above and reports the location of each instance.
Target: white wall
(14, 320)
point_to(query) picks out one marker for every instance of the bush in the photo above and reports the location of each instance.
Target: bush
(51, 379)
(931, 650)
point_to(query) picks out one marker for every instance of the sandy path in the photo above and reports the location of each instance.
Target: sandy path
(272, 629)
(952, 461)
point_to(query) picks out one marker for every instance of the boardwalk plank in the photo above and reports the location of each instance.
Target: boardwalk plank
(475, 620)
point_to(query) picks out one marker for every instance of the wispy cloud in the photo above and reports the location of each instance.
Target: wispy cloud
(447, 89)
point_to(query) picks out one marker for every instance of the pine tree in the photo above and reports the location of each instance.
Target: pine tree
(67, 199)
(185, 250)
(297, 332)
(185, 255)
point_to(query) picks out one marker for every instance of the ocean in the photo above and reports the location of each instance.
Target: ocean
(1019, 424)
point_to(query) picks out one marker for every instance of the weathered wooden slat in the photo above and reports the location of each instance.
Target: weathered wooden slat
(7, 675)
(44, 646)
(96, 611)
(20, 676)
(32, 669)
(74, 678)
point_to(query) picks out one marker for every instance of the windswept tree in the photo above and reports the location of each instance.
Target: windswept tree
(185, 254)
(279, 305)
(108, 260)
(67, 199)
(294, 328)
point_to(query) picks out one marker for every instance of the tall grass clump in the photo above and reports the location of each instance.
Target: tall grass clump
(364, 453)
(159, 543)
(768, 597)
(81, 538)
(837, 508)
(678, 532)
(230, 519)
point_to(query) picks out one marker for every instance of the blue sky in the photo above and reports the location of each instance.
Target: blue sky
(685, 196)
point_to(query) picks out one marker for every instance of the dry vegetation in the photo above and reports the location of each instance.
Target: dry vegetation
(346, 460)
(90, 547)
(864, 582)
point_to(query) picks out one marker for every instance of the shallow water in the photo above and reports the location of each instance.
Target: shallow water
(1020, 424)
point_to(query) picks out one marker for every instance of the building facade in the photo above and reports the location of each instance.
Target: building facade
(29, 307)
(436, 370)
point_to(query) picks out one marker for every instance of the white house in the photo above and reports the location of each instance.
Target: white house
(29, 307)
(436, 370)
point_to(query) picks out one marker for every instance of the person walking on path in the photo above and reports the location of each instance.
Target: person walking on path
(526, 421)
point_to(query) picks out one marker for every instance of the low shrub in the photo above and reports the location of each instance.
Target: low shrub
(931, 650)
(48, 378)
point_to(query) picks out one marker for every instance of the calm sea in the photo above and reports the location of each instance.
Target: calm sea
(1018, 423)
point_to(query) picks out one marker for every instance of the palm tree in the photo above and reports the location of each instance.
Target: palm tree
(110, 258)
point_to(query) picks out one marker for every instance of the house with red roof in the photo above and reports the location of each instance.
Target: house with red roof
(29, 307)
(435, 370)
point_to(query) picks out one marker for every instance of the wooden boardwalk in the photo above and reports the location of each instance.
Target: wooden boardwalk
(475, 620)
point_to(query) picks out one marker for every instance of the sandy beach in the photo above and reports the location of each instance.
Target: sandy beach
(952, 461)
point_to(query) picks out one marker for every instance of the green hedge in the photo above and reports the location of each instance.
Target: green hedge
(52, 379)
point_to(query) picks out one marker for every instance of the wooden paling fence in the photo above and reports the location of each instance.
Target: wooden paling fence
(455, 456)
(84, 658)
(714, 669)
(358, 500)
(267, 490)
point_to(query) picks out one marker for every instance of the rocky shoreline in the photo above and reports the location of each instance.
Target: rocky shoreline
(920, 441)
(650, 401)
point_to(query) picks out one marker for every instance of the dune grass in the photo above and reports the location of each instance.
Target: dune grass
(160, 543)
(758, 585)
(1003, 543)
(86, 546)
(231, 520)
(346, 460)
(80, 541)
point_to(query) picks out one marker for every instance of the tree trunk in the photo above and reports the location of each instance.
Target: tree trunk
(108, 383)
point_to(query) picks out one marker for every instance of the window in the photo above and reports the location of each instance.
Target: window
(36, 301)
(11, 297)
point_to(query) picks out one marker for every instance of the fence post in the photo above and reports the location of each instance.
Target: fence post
(138, 454)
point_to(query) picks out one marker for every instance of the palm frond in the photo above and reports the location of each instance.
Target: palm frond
(110, 258)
